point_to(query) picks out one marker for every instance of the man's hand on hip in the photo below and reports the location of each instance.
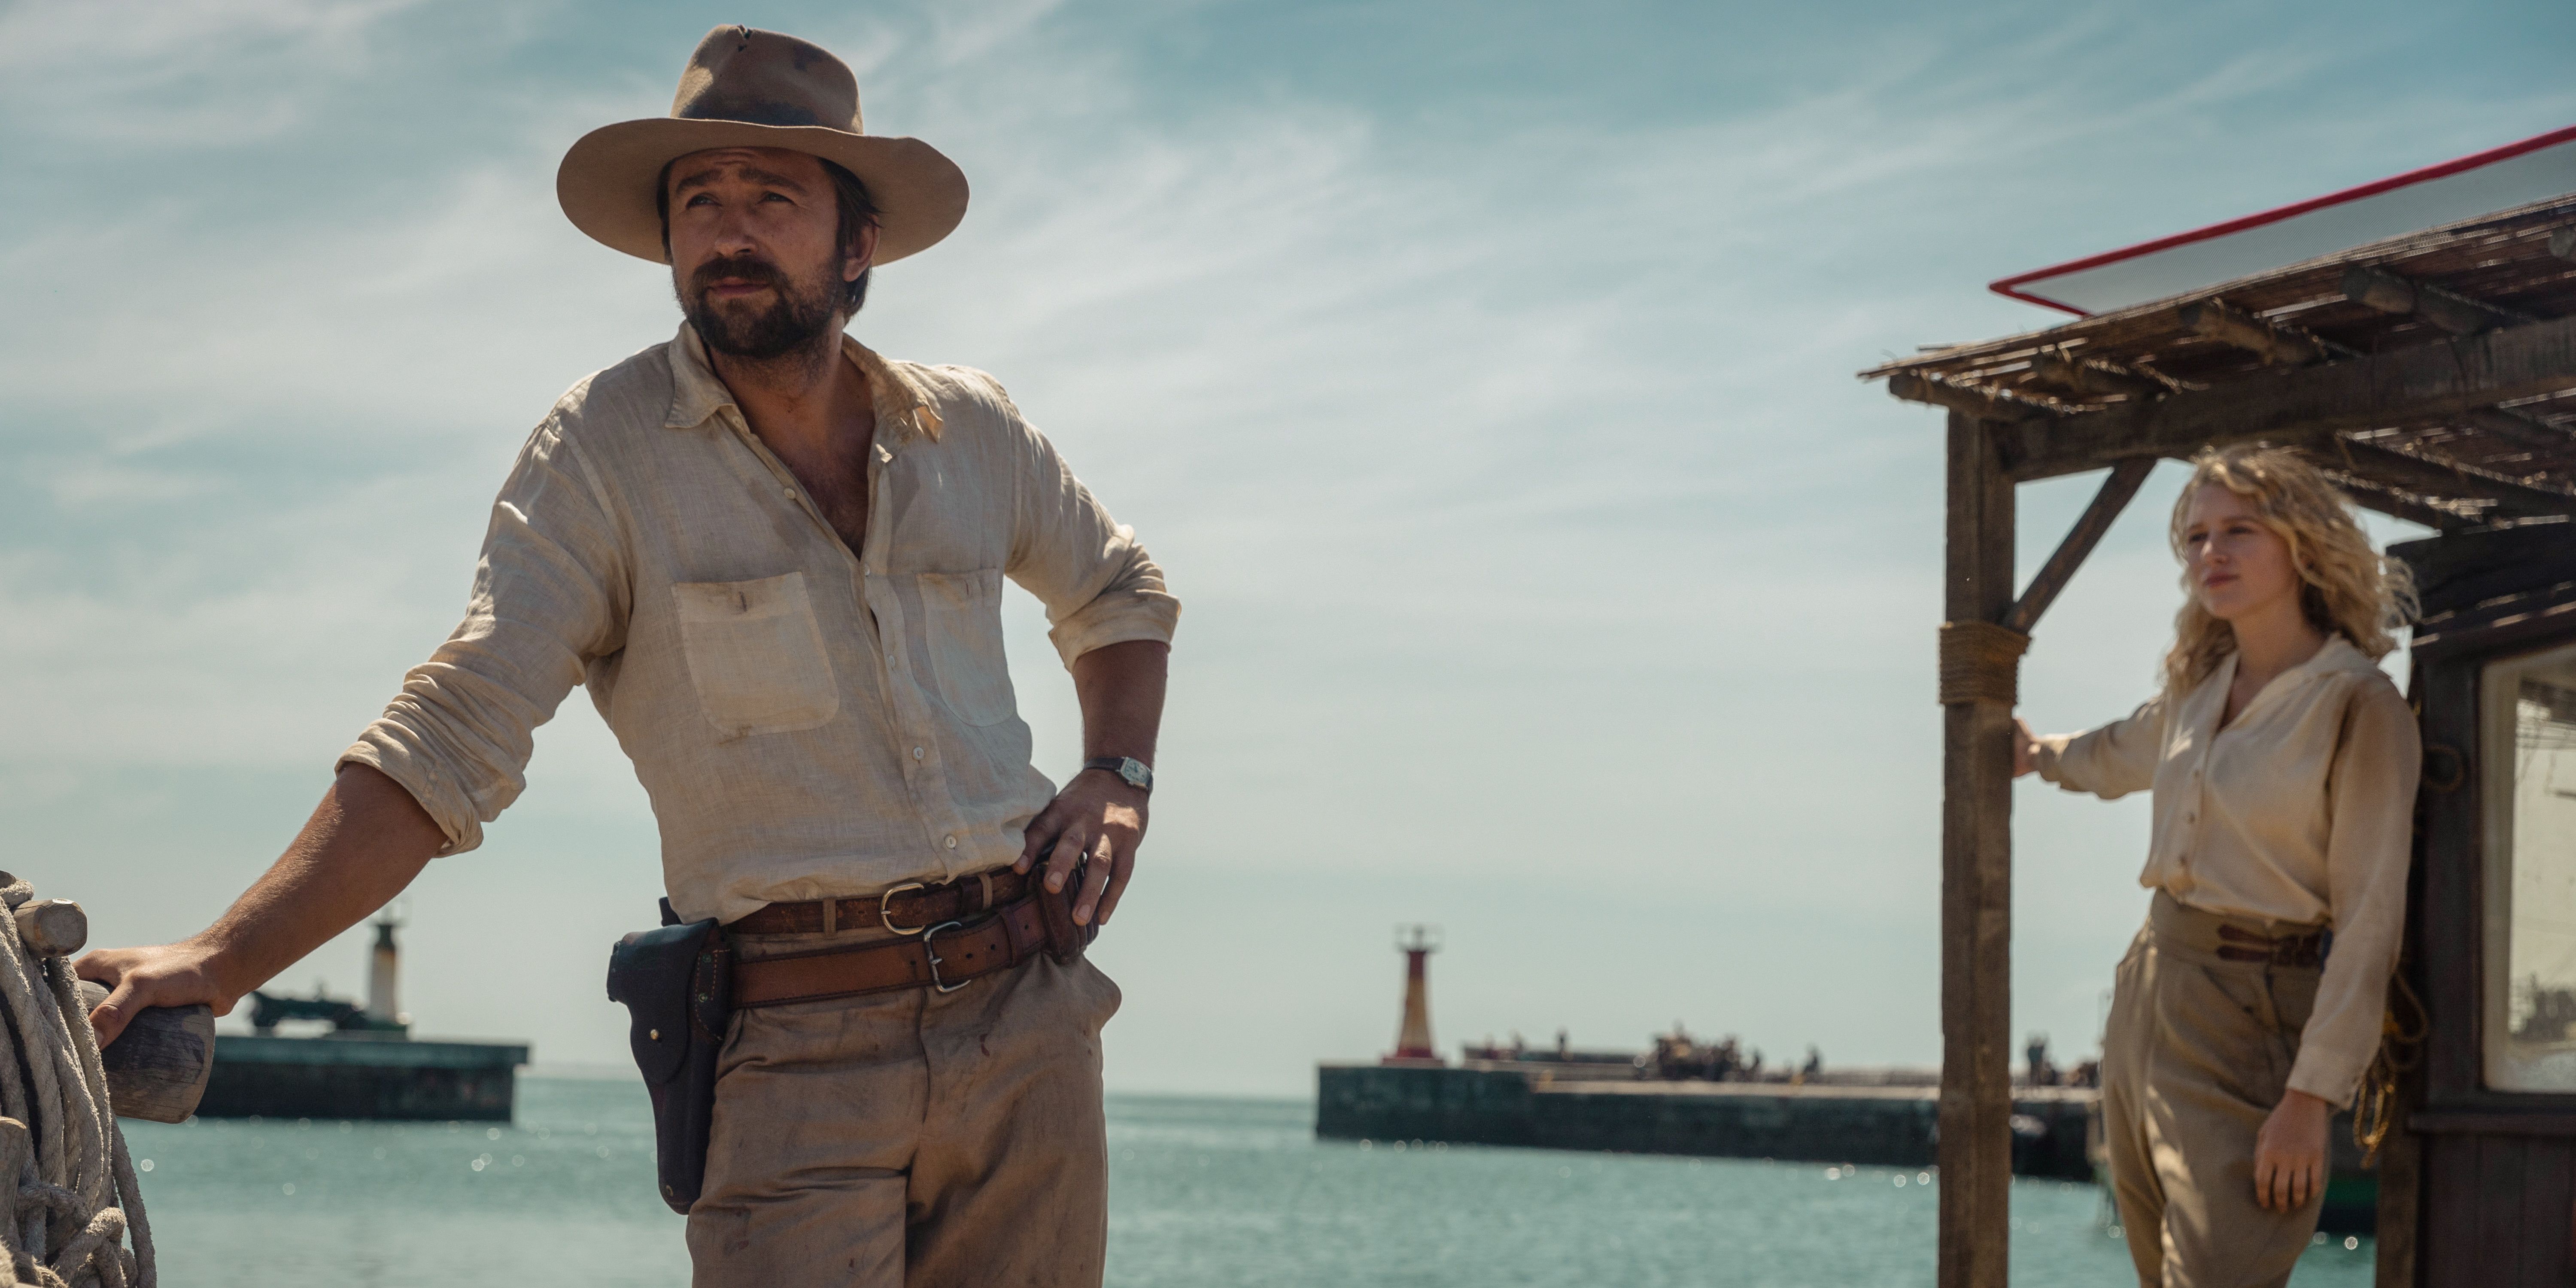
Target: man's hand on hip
(1096, 821)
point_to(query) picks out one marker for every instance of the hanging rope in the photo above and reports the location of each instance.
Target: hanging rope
(68, 1196)
(2374, 1106)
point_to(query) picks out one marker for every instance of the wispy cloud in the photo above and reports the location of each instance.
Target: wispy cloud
(1510, 462)
(188, 73)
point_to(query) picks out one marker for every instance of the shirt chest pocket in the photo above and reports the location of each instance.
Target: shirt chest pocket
(960, 620)
(756, 655)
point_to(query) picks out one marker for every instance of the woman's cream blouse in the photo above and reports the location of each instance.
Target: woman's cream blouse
(2299, 813)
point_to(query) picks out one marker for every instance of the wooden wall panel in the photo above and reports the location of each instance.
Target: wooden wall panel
(2446, 1245)
(2495, 1243)
(2548, 1188)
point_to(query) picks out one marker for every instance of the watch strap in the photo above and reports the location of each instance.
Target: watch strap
(1135, 773)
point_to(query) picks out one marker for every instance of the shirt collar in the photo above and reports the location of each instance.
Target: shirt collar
(2338, 654)
(697, 393)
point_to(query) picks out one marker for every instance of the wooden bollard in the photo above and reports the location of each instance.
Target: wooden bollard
(157, 1069)
(52, 927)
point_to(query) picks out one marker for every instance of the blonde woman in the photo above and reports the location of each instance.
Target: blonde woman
(2283, 766)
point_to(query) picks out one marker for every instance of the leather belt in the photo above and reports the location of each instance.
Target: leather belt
(2285, 950)
(904, 908)
(946, 957)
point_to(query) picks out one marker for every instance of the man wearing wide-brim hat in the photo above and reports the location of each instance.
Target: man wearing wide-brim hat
(776, 560)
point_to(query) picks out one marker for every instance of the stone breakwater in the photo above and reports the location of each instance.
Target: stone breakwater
(1499, 1103)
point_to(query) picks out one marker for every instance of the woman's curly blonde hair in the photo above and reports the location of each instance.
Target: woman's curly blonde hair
(2350, 589)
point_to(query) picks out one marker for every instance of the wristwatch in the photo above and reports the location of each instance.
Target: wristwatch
(1137, 773)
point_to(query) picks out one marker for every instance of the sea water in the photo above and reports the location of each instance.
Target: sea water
(1202, 1192)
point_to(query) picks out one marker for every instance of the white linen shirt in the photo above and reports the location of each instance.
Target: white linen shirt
(805, 721)
(2299, 813)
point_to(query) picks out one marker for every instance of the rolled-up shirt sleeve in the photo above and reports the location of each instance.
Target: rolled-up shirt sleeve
(2109, 762)
(549, 595)
(1098, 585)
(2370, 841)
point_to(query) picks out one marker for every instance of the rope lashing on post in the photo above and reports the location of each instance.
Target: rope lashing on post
(1981, 662)
(68, 1194)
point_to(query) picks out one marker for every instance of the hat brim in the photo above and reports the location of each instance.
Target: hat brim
(606, 183)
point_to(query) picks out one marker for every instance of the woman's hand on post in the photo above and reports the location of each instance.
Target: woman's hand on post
(2290, 1153)
(2025, 748)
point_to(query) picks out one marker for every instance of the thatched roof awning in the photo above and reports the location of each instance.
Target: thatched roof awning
(2434, 373)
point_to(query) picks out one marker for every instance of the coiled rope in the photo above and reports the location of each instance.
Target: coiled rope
(64, 1221)
(2401, 1036)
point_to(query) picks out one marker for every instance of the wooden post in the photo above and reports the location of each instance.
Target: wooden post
(1976, 886)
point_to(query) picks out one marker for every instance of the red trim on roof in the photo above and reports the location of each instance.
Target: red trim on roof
(2010, 286)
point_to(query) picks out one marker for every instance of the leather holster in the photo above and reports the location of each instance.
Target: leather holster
(676, 984)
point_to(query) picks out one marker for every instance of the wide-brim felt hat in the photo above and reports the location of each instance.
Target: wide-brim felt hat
(746, 88)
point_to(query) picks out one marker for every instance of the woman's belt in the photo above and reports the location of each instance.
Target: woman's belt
(904, 909)
(2213, 937)
(2241, 945)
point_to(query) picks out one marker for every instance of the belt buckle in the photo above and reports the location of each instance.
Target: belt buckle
(885, 909)
(927, 933)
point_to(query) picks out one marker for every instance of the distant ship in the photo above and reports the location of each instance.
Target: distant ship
(367, 1065)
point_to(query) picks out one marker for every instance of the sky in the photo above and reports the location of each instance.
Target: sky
(1483, 379)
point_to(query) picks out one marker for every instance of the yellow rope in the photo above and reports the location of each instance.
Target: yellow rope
(2374, 1107)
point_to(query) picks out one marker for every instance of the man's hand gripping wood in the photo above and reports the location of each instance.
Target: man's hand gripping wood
(365, 842)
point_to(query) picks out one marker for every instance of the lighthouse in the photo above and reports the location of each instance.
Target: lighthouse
(384, 1011)
(1413, 1038)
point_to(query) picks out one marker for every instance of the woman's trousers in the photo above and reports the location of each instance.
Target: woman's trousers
(2196, 1057)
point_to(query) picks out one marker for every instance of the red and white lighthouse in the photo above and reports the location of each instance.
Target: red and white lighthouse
(1413, 1039)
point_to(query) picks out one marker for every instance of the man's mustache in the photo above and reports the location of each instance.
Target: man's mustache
(740, 268)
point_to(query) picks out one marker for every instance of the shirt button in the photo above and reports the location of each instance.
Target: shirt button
(791, 494)
(916, 753)
(952, 842)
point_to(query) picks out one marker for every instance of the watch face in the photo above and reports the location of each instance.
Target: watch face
(1135, 772)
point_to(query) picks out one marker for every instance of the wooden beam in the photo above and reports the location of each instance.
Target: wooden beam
(1973, 400)
(2093, 377)
(2449, 310)
(2080, 540)
(2400, 504)
(2433, 476)
(1976, 888)
(2426, 382)
(2286, 346)
(2516, 427)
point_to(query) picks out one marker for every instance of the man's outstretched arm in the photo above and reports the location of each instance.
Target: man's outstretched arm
(365, 842)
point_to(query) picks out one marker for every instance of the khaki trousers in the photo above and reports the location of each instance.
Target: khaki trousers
(2197, 1055)
(910, 1138)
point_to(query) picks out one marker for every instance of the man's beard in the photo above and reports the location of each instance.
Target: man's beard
(798, 315)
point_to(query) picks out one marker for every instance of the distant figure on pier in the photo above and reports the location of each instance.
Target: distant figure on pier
(2283, 763)
(2042, 1073)
(1815, 1065)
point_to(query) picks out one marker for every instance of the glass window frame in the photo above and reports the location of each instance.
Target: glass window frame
(2503, 1067)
